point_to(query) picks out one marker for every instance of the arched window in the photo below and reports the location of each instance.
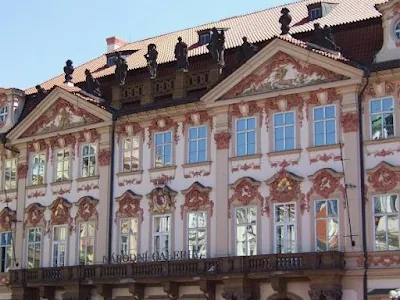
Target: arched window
(397, 30)
(3, 114)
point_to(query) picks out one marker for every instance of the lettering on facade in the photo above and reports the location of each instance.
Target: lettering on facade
(152, 257)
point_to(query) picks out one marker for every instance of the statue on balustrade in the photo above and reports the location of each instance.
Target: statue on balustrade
(245, 52)
(217, 46)
(323, 37)
(40, 93)
(181, 55)
(285, 21)
(121, 69)
(68, 70)
(92, 85)
(151, 57)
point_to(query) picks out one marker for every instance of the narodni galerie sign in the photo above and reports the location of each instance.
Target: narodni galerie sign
(152, 257)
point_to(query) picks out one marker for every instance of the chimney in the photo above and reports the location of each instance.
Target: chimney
(113, 43)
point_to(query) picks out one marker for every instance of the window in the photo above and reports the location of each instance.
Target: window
(34, 247)
(3, 114)
(397, 30)
(130, 149)
(324, 125)
(38, 168)
(10, 174)
(5, 251)
(246, 231)
(88, 160)
(284, 131)
(204, 38)
(86, 243)
(62, 164)
(285, 228)
(197, 144)
(386, 220)
(59, 246)
(315, 13)
(111, 60)
(197, 234)
(382, 118)
(163, 150)
(162, 234)
(326, 225)
(128, 236)
(246, 136)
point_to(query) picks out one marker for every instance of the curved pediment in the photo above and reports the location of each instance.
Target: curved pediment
(161, 200)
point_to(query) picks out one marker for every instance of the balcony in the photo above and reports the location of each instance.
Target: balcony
(182, 270)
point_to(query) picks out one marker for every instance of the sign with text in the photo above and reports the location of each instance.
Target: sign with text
(152, 257)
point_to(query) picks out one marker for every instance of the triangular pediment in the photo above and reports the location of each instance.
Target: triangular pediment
(282, 66)
(60, 111)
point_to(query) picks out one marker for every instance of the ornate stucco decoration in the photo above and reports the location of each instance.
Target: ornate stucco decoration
(384, 177)
(22, 170)
(163, 124)
(285, 187)
(222, 140)
(380, 88)
(38, 146)
(61, 141)
(129, 129)
(349, 122)
(104, 157)
(87, 210)
(245, 109)
(60, 214)
(129, 206)
(88, 136)
(7, 218)
(34, 216)
(161, 200)
(324, 97)
(245, 191)
(197, 197)
(283, 104)
(196, 119)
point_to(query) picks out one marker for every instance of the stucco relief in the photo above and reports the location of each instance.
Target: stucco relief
(60, 211)
(222, 140)
(283, 164)
(245, 109)
(245, 191)
(281, 72)
(325, 157)
(161, 200)
(104, 157)
(129, 206)
(38, 146)
(383, 152)
(325, 182)
(62, 141)
(384, 260)
(128, 129)
(61, 115)
(384, 177)
(349, 122)
(88, 136)
(22, 170)
(285, 187)
(394, 11)
(324, 97)
(7, 218)
(87, 210)
(197, 197)
(163, 124)
(87, 187)
(283, 104)
(34, 216)
(380, 88)
(196, 119)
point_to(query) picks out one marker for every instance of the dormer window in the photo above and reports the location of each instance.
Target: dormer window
(320, 9)
(315, 13)
(3, 114)
(112, 57)
(204, 37)
(111, 61)
(397, 30)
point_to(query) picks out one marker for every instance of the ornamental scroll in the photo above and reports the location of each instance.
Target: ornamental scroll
(197, 197)
(129, 206)
(34, 216)
(161, 200)
(384, 177)
(60, 214)
(7, 218)
(87, 210)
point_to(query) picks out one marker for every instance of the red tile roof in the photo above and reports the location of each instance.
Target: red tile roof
(257, 27)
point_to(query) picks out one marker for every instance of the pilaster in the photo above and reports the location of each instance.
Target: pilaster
(180, 85)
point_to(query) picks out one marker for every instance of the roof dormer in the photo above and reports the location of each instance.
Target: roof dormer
(204, 36)
(11, 104)
(319, 9)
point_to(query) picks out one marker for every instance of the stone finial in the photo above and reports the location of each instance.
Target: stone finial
(151, 57)
(285, 21)
(68, 70)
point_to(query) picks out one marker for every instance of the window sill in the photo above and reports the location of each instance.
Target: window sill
(82, 179)
(382, 141)
(129, 173)
(195, 165)
(160, 169)
(3, 192)
(245, 157)
(56, 183)
(283, 152)
(36, 186)
(323, 148)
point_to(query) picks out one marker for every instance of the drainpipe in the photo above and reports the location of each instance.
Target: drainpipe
(111, 204)
(362, 184)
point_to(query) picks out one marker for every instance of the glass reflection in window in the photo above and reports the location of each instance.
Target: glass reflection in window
(386, 221)
(163, 149)
(59, 245)
(197, 144)
(38, 168)
(128, 236)
(10, 174)
(325, 125)
(382, 112)
(162, 234)
(34, 247)
(62, 164)
(88, 160)
(246, 231)
(326, 225)
(246, 136)
(130, 153)
(197, 234)
(86, 243)
(285, 228)
(3, 114)
(5, 251)
(284, 127)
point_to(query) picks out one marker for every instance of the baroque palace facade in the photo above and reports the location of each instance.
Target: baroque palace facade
(267, 170)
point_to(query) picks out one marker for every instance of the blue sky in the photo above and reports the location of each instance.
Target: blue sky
(37, 37)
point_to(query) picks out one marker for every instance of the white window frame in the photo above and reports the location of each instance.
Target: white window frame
(397, 30)
(3, 114)
(393, 112)
(327, 218)
(34, 243)
(13, 169)
(284, 126)
(197, 141)
(245, 225)
(56, 161)
(87, 238)
(285, 224)
(163, 145)
(130, 150)
(162, 233)
(8, 246)
(58, 243)
(33, 165)
(130, 236)
(89, 156)
(247, 131)
(197, 228)
(324, 121)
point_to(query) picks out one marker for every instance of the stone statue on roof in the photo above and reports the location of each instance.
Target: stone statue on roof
(245, 51)
(217, 46)
(181, 55)
(92, 85)
(151, 57)
(121, 69)
(285, 21)
(323, 37)
(68, 70)
(40, 93)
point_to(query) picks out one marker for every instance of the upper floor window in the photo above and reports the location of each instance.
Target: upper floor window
(326, 225)
(10, 174)
(63, 159)
(246, 231)
(246, 136)
(162, 234)
(59, 249)
(386, 221)
(38, 168)
(3, 114)
(128, 236)
(88, 160)
(285, 228)
(34, 247)
(325, 125)
(382, 115)
(5, 251)
(315, 13)
(163, 149)
(197, 144)
(86, 243)
(284, 131)
(197, 234)
(130, 153)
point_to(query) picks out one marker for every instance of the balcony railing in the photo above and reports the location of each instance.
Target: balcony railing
(175, 268)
